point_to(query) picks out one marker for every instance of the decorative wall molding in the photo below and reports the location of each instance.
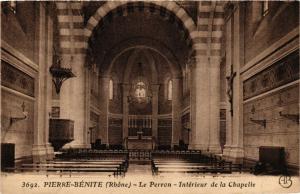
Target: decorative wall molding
(251, 133)
(18, 55)
(15, 79)
(272, 91)
(17, 93)
(282, 72)
(278, 50)
(17, 63)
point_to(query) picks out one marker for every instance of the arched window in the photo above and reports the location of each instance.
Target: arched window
(170, 87)
(111, 89)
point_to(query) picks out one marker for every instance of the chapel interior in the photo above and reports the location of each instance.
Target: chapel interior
(208, 83)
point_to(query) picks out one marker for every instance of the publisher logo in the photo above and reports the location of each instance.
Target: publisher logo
(285, 181)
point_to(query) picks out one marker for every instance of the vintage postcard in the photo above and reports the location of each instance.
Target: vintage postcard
(179, 97)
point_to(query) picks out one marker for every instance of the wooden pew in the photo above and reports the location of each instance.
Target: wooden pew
(184, 160)
(187, 167)
(190, 162)
(93, 154)
(87, 156)
(68, 170)
(116, 166)
(116, 169)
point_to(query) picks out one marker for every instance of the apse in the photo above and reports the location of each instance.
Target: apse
(140, 100)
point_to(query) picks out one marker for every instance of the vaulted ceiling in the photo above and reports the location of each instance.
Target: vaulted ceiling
(136, 25)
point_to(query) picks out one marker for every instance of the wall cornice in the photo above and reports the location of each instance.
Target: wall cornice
(15, 56)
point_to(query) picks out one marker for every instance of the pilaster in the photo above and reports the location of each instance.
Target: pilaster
(235, 58)
(176, 110)
(41, 149)
(104, 98)
(155, 90)
(214, 116)
(126, 88)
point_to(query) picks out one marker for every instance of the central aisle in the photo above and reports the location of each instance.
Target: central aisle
(143, 168)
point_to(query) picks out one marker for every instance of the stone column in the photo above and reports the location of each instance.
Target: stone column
(214, 117)
(77, 105)
(176, 110)
(200, 103)
(155, 90)
(39, 151)
(104, 98)
(126, 88)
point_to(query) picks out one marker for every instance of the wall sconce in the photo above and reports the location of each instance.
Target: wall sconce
(293, 117)
(15, 119)
(261, 122)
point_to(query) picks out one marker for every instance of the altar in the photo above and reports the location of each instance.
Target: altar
(140, 133)
(140, 143)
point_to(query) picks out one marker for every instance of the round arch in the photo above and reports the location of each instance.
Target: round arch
(171, 6)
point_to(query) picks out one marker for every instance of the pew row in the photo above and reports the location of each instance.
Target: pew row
(191, 162)
(112, 167)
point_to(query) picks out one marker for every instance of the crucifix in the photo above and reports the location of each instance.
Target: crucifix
(230, 79)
